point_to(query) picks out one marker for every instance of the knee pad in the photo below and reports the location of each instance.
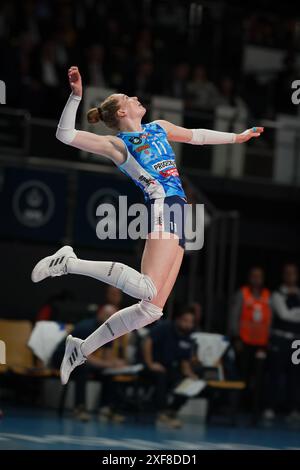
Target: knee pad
(135, 284)
(140, 315)
(150, 311)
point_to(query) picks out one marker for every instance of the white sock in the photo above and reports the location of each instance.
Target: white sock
(105, 271)
(129, 280)
(122, 322)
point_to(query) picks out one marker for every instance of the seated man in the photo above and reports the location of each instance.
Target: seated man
(94, 366)
(167, 353)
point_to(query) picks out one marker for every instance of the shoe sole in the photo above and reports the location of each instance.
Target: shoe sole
(65, 358)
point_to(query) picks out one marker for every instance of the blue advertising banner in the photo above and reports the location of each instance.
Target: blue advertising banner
(33, 204)
(95, 190)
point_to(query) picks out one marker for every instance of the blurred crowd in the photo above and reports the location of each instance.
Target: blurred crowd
(264, 326)
(273, 30)
(143, 48)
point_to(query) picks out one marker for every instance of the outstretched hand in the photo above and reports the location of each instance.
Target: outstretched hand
(75, 80)
(248, 134)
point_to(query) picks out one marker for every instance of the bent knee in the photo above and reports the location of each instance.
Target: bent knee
(151, 311)
(133, 283)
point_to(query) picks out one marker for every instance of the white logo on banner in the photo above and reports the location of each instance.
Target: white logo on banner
(33, 203)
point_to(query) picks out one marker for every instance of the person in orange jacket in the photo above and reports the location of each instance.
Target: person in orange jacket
(249, 326)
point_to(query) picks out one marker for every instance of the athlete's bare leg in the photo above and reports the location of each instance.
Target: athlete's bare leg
(161, 261)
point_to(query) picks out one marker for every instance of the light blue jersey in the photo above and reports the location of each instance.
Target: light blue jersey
(151, 162)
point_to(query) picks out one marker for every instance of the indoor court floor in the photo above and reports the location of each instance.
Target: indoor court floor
(25, 428)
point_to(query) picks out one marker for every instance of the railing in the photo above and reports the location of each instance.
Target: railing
(274, 157)
(15, 131)
(219, 257)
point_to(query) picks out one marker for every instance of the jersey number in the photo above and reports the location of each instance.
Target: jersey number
(158, 145)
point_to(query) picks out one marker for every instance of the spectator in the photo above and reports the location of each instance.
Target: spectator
(48, 69)
(202, 92)
(256, 94)
(145, 81)
(283, 374)
(53, 309)
(144, 46)
(94, 366)
(167, 352)
(177, 87)
(96, 75)
(250, 319)
(121, 69)
(114, 297)
(29, 90)
(229, 97)
(48, 74)
(112, 33)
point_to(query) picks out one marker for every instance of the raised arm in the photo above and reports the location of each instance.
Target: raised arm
(107, 146)
(205, 136)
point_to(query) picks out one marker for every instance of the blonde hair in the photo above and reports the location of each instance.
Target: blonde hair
(106, 112)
